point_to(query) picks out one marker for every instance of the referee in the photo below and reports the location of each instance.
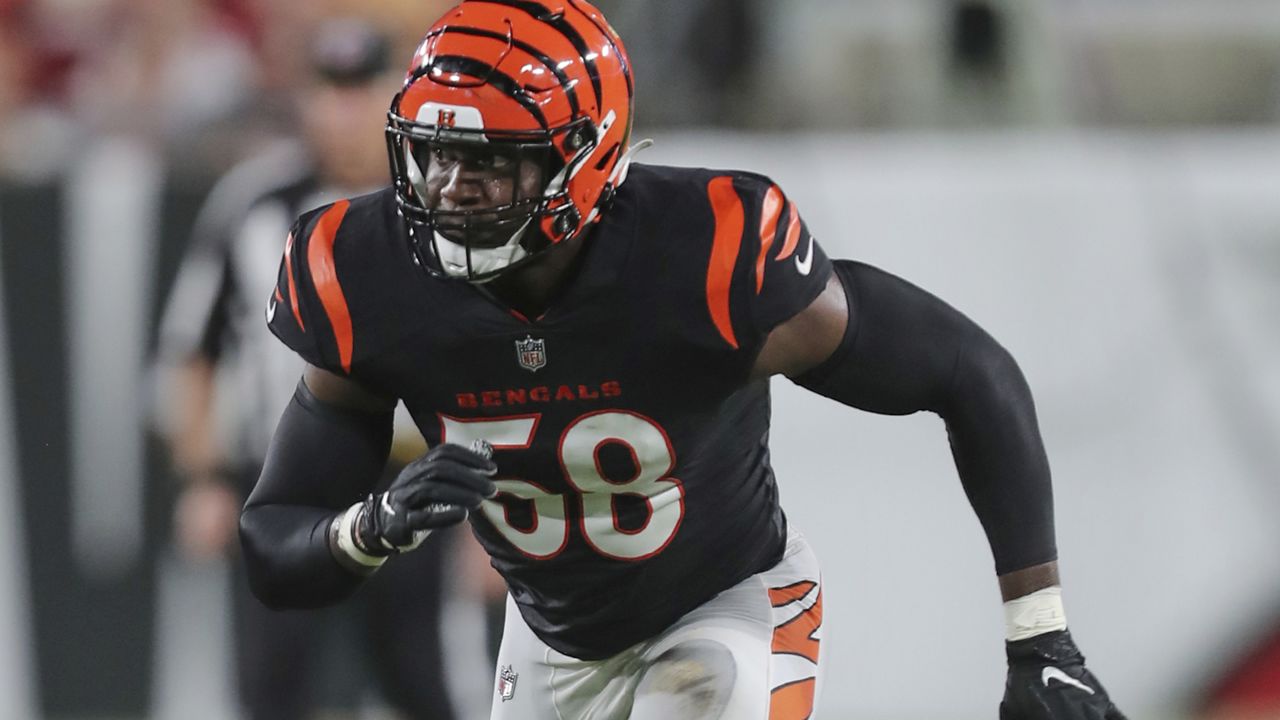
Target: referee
(232, 379)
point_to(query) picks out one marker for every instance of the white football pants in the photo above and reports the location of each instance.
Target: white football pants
(749, 653)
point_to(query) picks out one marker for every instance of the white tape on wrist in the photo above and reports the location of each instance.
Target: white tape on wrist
(1034, 614)
(347, 543)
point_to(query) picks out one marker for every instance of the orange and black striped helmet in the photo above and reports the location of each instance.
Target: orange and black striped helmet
(528, 101)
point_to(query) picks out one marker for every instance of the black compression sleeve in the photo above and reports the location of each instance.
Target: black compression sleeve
(905, 350)
(321, 461)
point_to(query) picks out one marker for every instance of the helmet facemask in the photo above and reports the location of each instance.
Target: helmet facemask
(475, 200)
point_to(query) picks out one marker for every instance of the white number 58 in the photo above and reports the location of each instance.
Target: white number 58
(579, 455)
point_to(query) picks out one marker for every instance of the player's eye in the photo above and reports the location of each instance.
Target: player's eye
(484, 161)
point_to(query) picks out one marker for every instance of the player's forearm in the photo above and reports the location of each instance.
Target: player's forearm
(288, 560)
(905, 350)
(995, 440)
(321, 461)
(193, 441)
(1002, 463)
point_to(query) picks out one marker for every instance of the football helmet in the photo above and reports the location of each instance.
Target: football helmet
(510, 134)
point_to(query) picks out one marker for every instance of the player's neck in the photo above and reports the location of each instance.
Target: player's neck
(532, 289)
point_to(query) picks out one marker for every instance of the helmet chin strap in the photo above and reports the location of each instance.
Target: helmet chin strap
(454, 261)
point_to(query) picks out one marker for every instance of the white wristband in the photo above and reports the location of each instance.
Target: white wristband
(1034, 614)
(347, 543)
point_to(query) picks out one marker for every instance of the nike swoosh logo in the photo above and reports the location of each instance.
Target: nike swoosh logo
(271, 310)
(807, 263)
(1053, 673)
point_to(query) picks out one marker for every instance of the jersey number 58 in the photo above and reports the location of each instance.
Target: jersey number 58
(578, 450)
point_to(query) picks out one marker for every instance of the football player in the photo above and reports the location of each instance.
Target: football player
(587, 345)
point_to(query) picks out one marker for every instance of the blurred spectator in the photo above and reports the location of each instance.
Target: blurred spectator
(280, 25)
(159, 72)
(15, 65)
(214, 325)
(35, 132)
(169, 68)
(166, 72)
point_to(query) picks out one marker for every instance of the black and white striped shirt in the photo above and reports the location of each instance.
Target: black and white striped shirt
(215, 309)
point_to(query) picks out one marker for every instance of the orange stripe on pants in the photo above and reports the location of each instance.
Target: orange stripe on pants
(793, 701)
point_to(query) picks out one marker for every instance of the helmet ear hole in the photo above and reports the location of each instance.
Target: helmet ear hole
(579, 137)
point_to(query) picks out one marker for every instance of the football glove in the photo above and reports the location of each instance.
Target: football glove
(1048, 681)
(436, 490)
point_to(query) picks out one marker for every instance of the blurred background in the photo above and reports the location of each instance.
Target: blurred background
(1096, 182)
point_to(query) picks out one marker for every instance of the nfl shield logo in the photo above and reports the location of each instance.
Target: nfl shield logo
(507, 683)
(531, 353)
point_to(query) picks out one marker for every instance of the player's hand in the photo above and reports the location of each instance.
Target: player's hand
(1048, 681)
(436, 490)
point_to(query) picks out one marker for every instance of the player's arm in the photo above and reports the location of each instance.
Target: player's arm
(312, 528)
(327, 452)
(877, 343)
(204, 515)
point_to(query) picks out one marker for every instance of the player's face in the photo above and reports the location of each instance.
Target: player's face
(464, 178)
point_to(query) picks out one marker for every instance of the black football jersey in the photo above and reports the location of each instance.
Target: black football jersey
(632, 447)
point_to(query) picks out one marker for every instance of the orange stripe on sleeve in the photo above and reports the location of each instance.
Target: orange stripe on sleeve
(325, 276)
(793, 233)
(770, 210)
(727, 208)
(293, 288)
(793, 701)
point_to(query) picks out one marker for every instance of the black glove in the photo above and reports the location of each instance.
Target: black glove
(435, 490)
(1048, 681)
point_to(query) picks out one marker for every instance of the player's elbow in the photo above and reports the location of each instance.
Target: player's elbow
(260, 565)
(289, 568)
(988, 383)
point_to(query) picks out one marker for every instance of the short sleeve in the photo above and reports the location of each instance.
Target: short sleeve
(295, 312)
(198, 311)
(790, 270)
(196, 319)
(765, 266)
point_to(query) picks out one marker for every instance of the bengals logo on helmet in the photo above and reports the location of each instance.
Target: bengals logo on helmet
(528, 73)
